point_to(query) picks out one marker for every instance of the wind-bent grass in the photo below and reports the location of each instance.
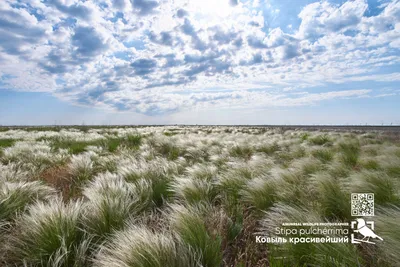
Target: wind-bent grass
(189, 225)
(14, 172)
(133, 140)
(111, 144)
(50, 235)
(73, 146)
(307, 166)
(38, 154)
(15, 196)
(269, 149)
(387, 226)
(333, 197)
(112, 201)
(324, 155)
(261, 192)
(350, 153)
(230, 184)
(242, 151)
(385, 189)
(138, 246)
(167, 148)
(81, 169)
(6, 142)
(319, 140)
(158, 172)
(191, 190)
(202, 171)
(370, 164)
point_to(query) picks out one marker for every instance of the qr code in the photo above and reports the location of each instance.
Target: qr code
(362, 204)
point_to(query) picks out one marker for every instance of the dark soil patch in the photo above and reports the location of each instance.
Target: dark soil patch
(59, 178)
(243, 251)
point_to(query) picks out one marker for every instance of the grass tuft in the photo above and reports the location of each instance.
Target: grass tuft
(138, 246)
(260, 192)
(192, 191)
(81, 169)
(332, 197)
(189, 225)
(6, 142)
(350, 153)
(324, 155)
(242, 151)
(133, 141)
(319, 140)
(49, 235)
(385, 188)
(387, 225)
(16, 196)
(112, 201)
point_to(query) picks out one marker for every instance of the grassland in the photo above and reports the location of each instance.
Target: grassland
(190, 196)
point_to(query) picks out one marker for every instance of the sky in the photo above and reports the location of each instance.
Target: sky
(199, 62)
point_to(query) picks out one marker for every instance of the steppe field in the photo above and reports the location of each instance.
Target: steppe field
(182, 196)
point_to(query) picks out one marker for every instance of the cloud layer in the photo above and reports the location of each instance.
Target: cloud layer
(156, 57)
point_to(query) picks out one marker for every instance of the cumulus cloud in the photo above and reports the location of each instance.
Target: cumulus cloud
(75, 10)
(144, 7)
(322, 17)
(181, 13)
(156, 57)
(233, 2)
(17, 29)
(164, 38)
(87, 42)
(143, 66)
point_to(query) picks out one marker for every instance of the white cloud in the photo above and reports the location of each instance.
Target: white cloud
(155, 56)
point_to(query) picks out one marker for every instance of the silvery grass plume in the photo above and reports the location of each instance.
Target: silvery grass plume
(14, 172)
(197, 153)
(139, 246)
(350, 152)
(307, 166)
(77, 135)
(39, 153)
(132, 168)
(191, 190)
(294, 187)
(389, 161)
(189, 224)
(386, 189)
(238, 171)
(325, 155)
(338, 170)
(158, 172)
(16, 196)
(372, 149)
(108, 163)
(112, 201)
(387, 225)
(95, 149)
(261, 192)
(49, 234)
(81, 167)
(203, 171)
(332, 196)
(303, 254)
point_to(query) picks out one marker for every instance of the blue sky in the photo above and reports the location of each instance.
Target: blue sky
(199, 62)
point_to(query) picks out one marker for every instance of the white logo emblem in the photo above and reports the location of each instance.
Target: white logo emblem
(360, 226)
